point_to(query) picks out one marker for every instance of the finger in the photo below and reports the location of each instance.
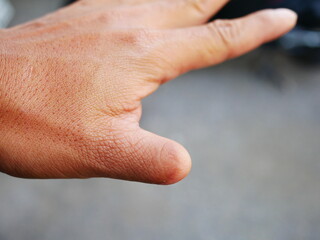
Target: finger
(218, 41)
(114, 2)
(182, 13)
(146, 157)
(107, 13)
(153, 13)
(162, 13)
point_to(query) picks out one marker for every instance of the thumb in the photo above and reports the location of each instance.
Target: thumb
(146, 157)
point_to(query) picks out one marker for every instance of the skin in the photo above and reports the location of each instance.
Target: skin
(71, 83)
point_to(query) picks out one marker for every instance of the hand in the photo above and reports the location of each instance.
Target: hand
(71, 83)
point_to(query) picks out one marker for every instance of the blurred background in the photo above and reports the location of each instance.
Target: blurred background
(252, 126)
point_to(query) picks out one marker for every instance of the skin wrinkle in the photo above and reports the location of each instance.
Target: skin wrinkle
(71, 84)
(199, 6)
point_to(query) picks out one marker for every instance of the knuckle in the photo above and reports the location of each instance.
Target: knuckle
(142, 37)
(134, 38)
(143, 44)
(105, 17)
(227, 32)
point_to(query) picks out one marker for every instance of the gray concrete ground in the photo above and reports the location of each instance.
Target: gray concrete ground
(252, 126)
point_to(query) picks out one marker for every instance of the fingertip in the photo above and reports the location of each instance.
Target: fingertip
(286, 15)
(177, 163)
(272, 23)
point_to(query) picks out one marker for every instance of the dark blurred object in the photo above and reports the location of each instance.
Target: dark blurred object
(308, 10)
(303, 44)
(67, 2)
(6, 13)
(304, 41)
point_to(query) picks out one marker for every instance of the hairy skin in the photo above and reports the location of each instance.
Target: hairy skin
(71, 83)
